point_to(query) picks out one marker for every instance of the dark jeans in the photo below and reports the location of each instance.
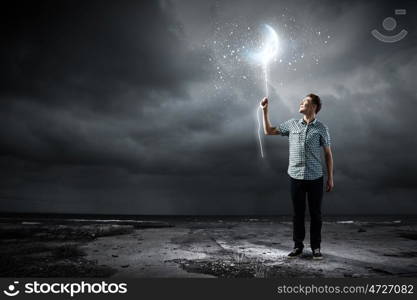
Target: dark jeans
(314, 191)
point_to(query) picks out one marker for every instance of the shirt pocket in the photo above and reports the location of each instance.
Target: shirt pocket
(296, 136)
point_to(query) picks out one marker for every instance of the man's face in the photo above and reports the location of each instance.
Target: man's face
(306, 107)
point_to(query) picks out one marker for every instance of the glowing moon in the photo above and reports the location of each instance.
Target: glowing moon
(270, 46)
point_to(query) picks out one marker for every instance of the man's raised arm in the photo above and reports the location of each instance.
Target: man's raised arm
(268, 129)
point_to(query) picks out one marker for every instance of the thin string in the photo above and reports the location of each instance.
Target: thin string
(265, 69)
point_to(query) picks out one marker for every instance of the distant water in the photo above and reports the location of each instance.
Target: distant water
(34, 219)
(362, 222)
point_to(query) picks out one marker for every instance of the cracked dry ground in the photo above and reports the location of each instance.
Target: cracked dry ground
(258, 248)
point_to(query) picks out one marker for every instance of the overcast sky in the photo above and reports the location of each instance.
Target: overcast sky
(147, 107)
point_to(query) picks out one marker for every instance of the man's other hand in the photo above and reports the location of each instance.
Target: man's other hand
(329, 185)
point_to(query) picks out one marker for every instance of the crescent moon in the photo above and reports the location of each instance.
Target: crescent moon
(270, 46)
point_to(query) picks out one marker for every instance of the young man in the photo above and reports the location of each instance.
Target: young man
(306, 137)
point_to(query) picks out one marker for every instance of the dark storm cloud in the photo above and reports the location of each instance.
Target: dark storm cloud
(69, 64)
(93, 50)
(110, 107)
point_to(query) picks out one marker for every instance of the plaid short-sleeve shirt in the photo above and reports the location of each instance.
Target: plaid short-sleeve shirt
(305, 142)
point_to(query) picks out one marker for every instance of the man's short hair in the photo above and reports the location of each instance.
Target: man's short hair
(315, 100)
